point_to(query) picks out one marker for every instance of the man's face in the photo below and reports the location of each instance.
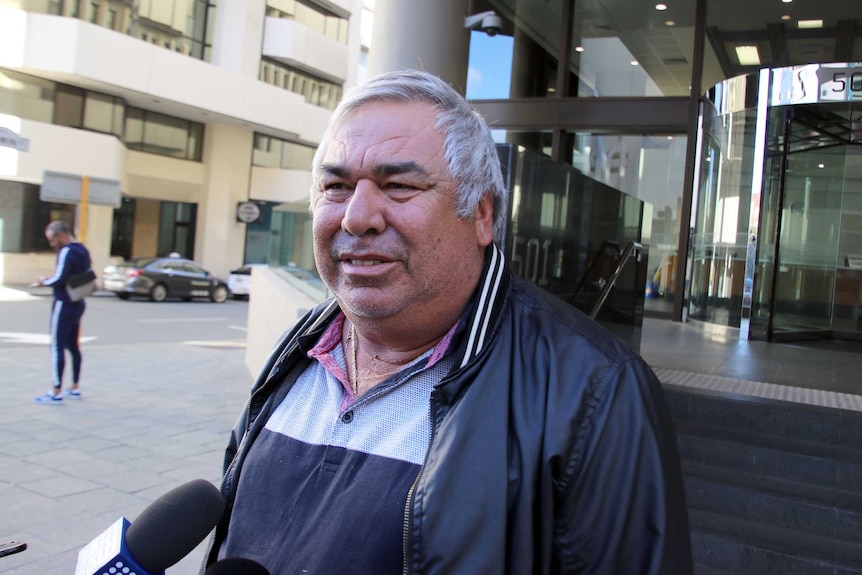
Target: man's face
(387, 240)
(54, 240)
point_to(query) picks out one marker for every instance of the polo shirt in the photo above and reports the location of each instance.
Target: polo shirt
(324, 487)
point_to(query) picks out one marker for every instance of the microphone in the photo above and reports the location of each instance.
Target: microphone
(236, 566)
(167, 530)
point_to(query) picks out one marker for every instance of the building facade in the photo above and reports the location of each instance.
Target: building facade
(194, 114)
(733, 120)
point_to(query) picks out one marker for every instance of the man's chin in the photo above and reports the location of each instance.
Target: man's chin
(378, 306)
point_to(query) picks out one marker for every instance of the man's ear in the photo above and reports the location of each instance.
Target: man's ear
(483, 217)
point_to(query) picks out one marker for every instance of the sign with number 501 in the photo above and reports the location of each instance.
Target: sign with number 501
(840, 84)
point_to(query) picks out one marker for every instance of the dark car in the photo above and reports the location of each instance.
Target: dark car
(161, 278)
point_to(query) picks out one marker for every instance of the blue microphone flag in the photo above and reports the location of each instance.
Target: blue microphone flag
(108, 554)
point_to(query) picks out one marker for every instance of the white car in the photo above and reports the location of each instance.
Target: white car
(239, 281)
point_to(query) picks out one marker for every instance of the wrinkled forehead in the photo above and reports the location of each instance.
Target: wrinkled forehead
(386, 131)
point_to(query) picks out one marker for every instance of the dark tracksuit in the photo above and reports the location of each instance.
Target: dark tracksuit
(66, 315)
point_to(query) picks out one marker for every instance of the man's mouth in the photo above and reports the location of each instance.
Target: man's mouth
(365, 262)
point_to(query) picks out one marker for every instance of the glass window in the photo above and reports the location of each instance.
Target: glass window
(282, 236)
(267, 151)
(770, 34)
(196, 141)
(69, 109)
(625, 49)
(184, 26)
(521, 60)
(164, 135)
(296, 156)
(26, 96)
(24, 217)
(272, 152)
(134, 133)
(621, 49)
(316, 91)
(177, 228)
(567, 233)
(100, 113)
(723, 203)
(310, 16)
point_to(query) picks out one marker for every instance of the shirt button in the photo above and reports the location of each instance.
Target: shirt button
(347, 417)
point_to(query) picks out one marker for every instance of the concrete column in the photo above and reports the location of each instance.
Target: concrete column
(238, 36)
(100, 221)
(220, 238)
(423, 35)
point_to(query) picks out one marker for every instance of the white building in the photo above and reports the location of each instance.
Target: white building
(192, 107)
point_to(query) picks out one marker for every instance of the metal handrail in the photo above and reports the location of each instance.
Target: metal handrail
(631, 248)
(595, 261)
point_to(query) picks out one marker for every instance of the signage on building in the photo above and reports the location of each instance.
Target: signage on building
(10, 139)
(248, 212)
(68, 189)
(812, 83)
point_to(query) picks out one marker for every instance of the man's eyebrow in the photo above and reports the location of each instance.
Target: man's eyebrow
(335, 170)
(393, 169)
(399, 168)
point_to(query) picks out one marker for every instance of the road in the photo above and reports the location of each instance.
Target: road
(24, 315)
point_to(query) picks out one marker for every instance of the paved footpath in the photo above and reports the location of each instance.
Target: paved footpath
(152, 417)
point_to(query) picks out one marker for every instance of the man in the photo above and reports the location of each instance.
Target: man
(440, 415)
(72, 258)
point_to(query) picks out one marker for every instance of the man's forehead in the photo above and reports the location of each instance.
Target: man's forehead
(393, 118)
(388, 143)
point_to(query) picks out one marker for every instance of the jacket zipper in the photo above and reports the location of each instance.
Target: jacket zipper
(406, 533)
(232, 462)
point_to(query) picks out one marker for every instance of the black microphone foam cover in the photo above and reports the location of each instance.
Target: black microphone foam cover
(171, 527)
(236, 566)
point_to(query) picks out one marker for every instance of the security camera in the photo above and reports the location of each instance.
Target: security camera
(492, 25)
(488, 22)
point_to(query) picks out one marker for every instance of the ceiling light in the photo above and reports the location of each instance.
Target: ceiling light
(661, 7)
(670, 23)
(579, 49)
(786, 17)
(786, 1)
(821, 166)
(634, 62)
(809, 24)
(748, 55)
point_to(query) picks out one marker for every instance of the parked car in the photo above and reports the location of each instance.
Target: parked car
(161, 278)
(239, 281)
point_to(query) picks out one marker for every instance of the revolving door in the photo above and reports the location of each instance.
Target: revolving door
(808, 272)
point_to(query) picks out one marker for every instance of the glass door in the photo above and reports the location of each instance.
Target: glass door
(808, 243)
(800, 228)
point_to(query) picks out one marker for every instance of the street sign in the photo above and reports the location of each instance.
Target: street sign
(66, 189)
(248, 212)
(61, 188)
(10, 139)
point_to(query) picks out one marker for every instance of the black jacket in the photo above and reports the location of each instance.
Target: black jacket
(73, 258)
(552, 450)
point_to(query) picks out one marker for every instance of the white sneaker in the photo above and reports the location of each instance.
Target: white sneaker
(49, 399)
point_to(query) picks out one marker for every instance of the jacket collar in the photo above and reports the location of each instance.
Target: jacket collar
(481, 314)
(477, 322)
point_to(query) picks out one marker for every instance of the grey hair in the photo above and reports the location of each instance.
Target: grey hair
(468, 147)
(58, 227)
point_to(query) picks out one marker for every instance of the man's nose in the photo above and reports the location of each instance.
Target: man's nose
(366, 209)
